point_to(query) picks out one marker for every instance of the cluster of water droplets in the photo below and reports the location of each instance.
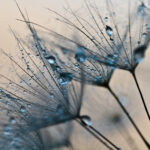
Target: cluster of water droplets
(65, 78)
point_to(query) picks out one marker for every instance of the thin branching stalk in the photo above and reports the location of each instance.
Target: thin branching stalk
(94, 135)
(129, 117)
(141, 94)
(127, 136)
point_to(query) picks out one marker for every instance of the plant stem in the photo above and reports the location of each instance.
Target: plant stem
(140, 92)
(95, 133)
(126, 135)
(129, 117)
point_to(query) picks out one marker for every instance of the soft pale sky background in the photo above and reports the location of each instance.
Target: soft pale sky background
(37, 13)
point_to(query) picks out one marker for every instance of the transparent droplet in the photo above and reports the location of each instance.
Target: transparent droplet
(144, 35)
(58, 68)
(139, 53)
(29, 105)
(77, 66)
(12, 120)
(65, 78)
(64, 51)
(7, 130)
(106, 19)
(141, 9)
(60, 109)
(22, 109)
(98, 78)
(109, 31)
(110, 59)
(51, 96)
(51, 59)
(80, 56)
(86, 120)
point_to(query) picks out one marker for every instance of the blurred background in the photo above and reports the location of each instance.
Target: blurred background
(98, 103)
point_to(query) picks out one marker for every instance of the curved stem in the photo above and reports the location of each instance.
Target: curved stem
(140, 92)
(130, 118)
(94, 135)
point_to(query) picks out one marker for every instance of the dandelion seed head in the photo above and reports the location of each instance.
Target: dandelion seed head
(112, 41)
(45, 94)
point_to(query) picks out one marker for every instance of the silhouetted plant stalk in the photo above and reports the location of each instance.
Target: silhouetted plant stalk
(129, 117)
(117, 120)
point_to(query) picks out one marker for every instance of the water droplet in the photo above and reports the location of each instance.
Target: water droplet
(139, 53)
(7, 130)
(144, 35)
(51, 59)
(109, 31)
(98, 78)
(29, 105)
(64, 50)
(12, 120)
(60, 109)
(86, 120)
(51, 96)
(58, 68)
(110, 59)
(65, 78)
(22, 109)
(106, 19)
(141, 9)
(80, 56)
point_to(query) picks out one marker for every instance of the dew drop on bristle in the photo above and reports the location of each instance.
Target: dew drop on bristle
(80, 56)
(12, 120)
(60, 110)
(65, 78)
(22, 109)
(106, 19)
(51, 59)
(109, 31)
(110, 59)
(144, 35)
(98, 78)
(86, 120)
(141, 9)
(139, 53)
(51, 96)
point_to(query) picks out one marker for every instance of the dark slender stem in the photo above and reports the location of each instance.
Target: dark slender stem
(130, 118)
(96, 131)
(94, 135)
(142, 97)
(126, 135)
